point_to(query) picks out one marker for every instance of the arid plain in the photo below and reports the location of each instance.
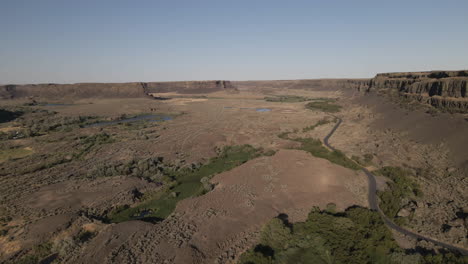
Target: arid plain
(197, 175)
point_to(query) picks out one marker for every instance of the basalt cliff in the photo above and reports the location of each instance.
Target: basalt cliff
(108, 90)
(446, 90)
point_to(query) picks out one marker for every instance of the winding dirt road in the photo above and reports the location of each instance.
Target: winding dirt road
(374, 205)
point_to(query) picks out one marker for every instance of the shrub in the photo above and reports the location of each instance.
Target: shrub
(401, 187)
(319, 123)
(324, 106)
(315, 147)
(186, 183)
(356, 236)
(287, 99)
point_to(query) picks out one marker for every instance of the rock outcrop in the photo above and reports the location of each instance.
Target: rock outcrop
(72, 91)
(442, 89)
(188, 87)
(317, 84)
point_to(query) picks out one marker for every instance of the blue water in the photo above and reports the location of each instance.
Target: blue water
(150, 118)
(263, 109)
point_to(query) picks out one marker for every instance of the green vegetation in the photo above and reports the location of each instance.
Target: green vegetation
(38, 253)
(86, 143)
(315, 147)
(325, 106)
(7, 115)
(321, 122)
(14, 153)
(35, 122)
(365, 161)
(293, 99)
(356, 236)
(287, 99)
(151, 169)
(401, 187)
(444, 258)
(38, 163)
(186, 183)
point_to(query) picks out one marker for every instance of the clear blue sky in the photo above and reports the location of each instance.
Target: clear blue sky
(117, 41)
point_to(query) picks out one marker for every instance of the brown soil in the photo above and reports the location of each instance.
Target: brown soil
(218, 226)
(56, 203)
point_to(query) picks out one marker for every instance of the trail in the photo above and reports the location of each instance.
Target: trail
(374, 205)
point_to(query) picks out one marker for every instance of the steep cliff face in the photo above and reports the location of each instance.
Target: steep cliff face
(72, 91)
(317, 84)
(108, 90)
(188, 87)
(442, 89)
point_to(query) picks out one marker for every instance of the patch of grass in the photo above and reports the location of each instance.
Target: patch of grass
(319, 123)
(186, 184)
(356, 236)
(366, 160)
(151, 169)
(88, 142)
(286, 99)
(325, 106)
(315, 147)
(37, 254)
(36, 122)
(14, 153)
(401, 187)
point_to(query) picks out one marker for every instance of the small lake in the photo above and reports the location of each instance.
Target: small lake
(149, 118)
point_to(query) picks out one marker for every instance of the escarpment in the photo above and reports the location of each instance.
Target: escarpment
(445, 90)
(188, 87)
(108, 90)
(72, 91)
(305, 84)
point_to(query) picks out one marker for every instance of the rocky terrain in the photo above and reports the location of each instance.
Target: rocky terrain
(75, 192)
(445, 90)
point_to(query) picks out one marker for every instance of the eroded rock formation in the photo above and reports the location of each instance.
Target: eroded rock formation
(108, 90)
(442, 89)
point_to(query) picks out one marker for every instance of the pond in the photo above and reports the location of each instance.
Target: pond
(149, 118)
(263, 109)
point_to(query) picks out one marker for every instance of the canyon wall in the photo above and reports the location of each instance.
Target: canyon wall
(108, 90)
(311, 84)
(188, 87)
(72, 91)
(446, 90)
